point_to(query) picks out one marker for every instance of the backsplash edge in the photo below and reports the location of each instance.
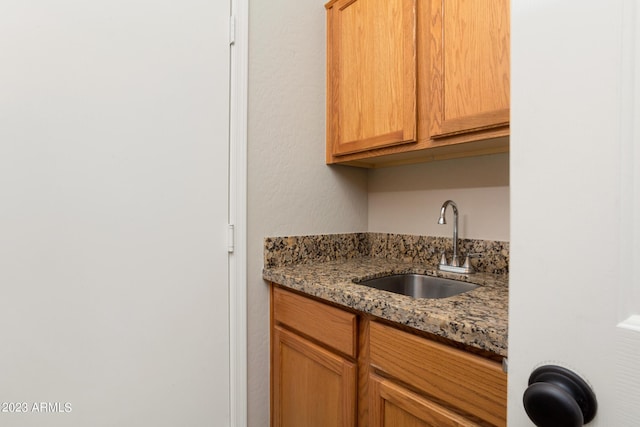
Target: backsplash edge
(493, 256)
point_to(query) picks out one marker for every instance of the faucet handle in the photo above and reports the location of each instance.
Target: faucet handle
(467, 261)
(443, 259)
(475, 255)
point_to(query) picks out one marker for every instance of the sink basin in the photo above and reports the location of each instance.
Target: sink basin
(419, 285)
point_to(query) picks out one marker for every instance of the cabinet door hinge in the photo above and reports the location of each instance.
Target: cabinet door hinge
(231, 238)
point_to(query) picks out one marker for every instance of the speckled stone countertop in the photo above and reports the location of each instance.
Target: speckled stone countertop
(477, 318)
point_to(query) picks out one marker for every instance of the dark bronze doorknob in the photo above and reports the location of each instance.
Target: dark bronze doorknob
(558, 397)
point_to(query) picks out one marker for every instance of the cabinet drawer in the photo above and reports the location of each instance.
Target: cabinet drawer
(331, 326)
(473, 384)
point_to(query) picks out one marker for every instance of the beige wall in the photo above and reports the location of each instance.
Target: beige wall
(407, 199)
(290, 189)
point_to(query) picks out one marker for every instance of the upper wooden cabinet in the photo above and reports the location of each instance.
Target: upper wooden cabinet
(470, 65)
(416, 80)
(372, 68)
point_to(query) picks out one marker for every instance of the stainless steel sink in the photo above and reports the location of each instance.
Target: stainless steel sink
(419, 285)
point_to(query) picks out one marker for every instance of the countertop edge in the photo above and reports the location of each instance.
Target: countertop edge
(477, 318)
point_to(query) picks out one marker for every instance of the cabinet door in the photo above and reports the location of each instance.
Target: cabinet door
(312, 387)
(465, 381)
(470, 64)
(394, 406)
(371, 74)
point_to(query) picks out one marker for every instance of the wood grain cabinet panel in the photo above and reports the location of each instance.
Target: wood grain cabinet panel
(371, 88)
(416, 80)
(395, 406)
(333, 367)
(312, 386)
(470, 63)
(331, 326)
(470, 383)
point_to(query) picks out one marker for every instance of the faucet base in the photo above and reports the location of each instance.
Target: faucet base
(456, 269)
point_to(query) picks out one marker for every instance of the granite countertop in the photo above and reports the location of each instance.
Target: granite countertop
(477, 318)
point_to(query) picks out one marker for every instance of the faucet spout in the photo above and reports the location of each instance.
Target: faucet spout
(443, 220)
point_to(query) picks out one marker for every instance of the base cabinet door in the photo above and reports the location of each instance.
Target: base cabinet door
(312, 386)
(392, 405)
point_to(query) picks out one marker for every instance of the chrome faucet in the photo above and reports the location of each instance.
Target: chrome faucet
(454, 267)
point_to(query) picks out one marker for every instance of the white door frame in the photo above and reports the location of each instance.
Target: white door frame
(239, 38)
(627, 351)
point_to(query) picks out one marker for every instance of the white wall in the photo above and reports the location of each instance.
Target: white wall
(407, 199)
(291, 190)
(113, 122)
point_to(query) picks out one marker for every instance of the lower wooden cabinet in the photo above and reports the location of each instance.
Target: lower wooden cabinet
(313, 363)
(392, 405)
(463, 382)
(311, 385)
(334, 367)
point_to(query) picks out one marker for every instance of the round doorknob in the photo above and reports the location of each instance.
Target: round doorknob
(558, 397)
